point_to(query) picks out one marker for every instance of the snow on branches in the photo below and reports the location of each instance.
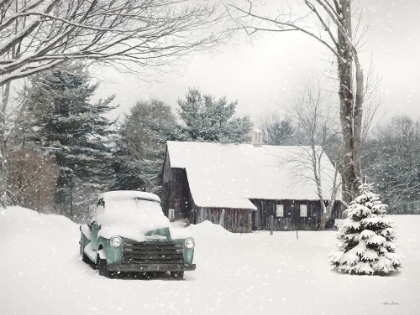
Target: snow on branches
(366, 238)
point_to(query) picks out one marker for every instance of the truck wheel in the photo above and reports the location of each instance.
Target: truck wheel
(103, 268)
(178, 275)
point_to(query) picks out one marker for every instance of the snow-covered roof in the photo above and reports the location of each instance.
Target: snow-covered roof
(228, 175)
(128, 194)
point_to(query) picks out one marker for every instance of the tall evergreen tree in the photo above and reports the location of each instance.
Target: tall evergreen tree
(66, 123)
(366, 238)
(211, 120)
(141, 146)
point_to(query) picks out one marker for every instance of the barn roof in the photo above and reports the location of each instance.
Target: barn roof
(228, 175)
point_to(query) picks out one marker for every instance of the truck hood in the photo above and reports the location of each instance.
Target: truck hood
(135, 224)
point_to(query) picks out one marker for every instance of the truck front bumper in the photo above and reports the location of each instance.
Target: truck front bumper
(150, 268)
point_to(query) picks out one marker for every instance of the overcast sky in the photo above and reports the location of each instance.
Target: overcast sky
(267, 73)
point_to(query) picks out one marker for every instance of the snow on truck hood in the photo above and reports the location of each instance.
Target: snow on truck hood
(130, 218)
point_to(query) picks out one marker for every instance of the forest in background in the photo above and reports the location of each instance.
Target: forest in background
(63, 152)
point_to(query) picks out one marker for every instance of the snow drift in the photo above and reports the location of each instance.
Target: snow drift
(42, 273)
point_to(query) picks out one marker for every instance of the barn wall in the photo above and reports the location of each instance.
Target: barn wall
(166, 184)
(176, 192)
(291, 219)
(235, 220)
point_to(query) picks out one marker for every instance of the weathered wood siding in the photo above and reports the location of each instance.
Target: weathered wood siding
(176, 192)
(291, 219)
(235, 220)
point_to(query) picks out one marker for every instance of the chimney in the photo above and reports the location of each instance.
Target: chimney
(256, 137)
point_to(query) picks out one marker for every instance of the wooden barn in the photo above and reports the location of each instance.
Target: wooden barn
(242, 185)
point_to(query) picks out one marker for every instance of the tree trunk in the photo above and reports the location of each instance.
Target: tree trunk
(3, 166)
(324, 219)
(327, 211)
(350, 109)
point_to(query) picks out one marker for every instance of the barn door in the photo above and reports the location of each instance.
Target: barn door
(295, 215)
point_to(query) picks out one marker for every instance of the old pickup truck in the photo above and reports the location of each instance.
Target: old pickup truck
(128, 232)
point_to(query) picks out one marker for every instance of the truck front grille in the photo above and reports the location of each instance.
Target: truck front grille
(153, 253)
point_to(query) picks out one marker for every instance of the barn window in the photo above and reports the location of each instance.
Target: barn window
(303, 211)
(279, 211)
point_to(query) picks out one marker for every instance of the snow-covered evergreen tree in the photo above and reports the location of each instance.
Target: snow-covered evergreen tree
(141, 146)
(366, 238)
(211, 120)
(64, 122)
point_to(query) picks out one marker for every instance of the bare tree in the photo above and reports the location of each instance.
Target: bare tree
(316, 133)
(37, 35)
(372, 102)
(392, 162)
(31, 179)
(330, 23)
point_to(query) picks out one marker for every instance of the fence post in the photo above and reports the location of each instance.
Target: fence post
(271, 225)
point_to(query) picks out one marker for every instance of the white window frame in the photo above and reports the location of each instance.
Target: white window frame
(303, 211)
(279, 211)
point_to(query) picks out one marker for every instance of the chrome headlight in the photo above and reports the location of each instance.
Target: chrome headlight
(189, 243)
(116, 241)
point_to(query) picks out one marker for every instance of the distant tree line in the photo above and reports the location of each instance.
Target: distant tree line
(390, 159)
(63, 151)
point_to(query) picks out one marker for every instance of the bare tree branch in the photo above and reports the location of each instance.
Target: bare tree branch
(126, 30)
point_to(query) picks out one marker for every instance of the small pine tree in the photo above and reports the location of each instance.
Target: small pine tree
(366, 238)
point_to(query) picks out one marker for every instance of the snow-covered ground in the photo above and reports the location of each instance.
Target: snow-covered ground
(41, 272)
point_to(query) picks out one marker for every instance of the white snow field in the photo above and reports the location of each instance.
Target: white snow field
(41, 272)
